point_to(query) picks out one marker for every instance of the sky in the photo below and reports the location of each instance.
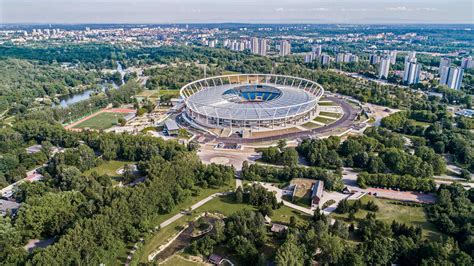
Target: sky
(241, 11)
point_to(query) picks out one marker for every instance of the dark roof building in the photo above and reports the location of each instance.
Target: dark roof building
(317, 193)
(171, 127)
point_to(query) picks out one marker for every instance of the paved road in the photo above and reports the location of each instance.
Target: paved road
(349, 177)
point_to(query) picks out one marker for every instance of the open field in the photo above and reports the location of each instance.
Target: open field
(173, 93)
(329, 103)
(147, 93)
(330, 114)
(101, 121)
(324, 120)
(309, 125)
(389, 212)
(108, 168)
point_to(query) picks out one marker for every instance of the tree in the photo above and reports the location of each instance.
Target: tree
(289, 253)
(239, 195)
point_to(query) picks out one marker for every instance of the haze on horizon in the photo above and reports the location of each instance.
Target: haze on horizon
(241, 11)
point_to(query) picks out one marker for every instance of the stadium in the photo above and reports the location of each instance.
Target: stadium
(250, 102)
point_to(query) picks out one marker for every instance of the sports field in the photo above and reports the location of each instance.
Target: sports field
(101, 121)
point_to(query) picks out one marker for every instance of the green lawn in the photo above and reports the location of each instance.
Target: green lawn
(327, 103)
(309, 125)
(108, 168)
(419, 123)
(101, 121)
(331, 114)
(324, 120)
(173, 93)
(389, 212)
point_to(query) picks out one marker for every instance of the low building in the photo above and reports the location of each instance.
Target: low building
(8, 206)
(215, 259)
(279, 228)
(171, 128)
(317, 193)
(466, 112)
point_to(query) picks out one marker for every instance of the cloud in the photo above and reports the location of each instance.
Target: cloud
(407, 9)
(357, 9)
(280, 9)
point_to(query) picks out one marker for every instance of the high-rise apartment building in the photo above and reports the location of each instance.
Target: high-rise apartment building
(467, 62)
(285, 48)
(411, 74)
(262, 46)
(384, 67)
(254, 48)
(452, 77)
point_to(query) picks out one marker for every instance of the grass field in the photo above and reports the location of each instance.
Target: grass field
(327, 103)
(101, 121)
(108, 168)
(331, 114)
(173, 93)
(389, 212)
(309, 125)
(324, 120)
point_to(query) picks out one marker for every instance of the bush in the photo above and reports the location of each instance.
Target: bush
(328, 203)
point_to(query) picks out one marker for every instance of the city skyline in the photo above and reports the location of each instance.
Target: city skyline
(212, 11)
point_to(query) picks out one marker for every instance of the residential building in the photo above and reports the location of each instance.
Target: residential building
(254, 48)
(309, 57)
(317, 50)
(411, 74)
(285, 48)
(452, 77)
(444, 64)
(467, 63)
(262, 46)
(374, 59)
(324, 59)
(393, 57)
(384, 67)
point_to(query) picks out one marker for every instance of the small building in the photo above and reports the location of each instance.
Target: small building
(215, 259)
(8, 206)
(279, 228)
(171, 128)
(268, 220)
(317, 193)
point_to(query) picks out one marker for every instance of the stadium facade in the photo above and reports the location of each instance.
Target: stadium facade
(251, 101)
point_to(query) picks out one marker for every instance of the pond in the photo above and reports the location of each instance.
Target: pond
(66, 100)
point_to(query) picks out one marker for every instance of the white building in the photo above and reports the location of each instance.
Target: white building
(317, 50)
(393, 57)
(374, 59)
(254, 45)
(444, 64)
(384, 67)
(262, 47)
(467, 63)
(285, 48)
(452, 77)
(411, 74)
(324, 59)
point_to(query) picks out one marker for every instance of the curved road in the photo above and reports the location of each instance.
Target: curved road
(350, 113)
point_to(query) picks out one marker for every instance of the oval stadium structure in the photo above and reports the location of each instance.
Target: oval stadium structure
(251, 101)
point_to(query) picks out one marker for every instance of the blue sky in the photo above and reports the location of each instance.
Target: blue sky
(246, 11)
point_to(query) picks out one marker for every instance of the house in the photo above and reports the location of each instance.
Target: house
(317, 193)
(215, 259)
(279, 228)
(171, 128)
